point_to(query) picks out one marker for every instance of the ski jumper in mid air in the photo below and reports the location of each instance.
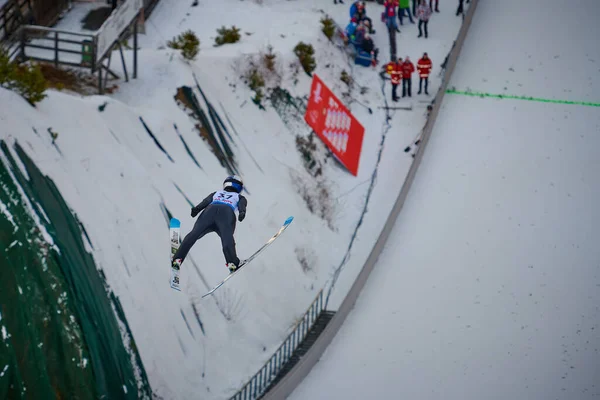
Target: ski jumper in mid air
(219, 217)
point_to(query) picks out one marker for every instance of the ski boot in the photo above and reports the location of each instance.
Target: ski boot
(176, 264)
(232, 267)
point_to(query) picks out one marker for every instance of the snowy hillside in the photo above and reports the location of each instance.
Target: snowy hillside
(123, 163)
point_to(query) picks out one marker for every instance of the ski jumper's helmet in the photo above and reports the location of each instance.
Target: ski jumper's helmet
(233, 184)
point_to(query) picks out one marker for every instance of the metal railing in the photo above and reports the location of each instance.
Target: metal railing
(261, 380)
(58, 46)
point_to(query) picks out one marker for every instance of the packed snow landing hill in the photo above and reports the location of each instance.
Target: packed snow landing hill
(125, 163)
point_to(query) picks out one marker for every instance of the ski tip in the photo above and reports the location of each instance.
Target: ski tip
(288, 221)
(175, 223)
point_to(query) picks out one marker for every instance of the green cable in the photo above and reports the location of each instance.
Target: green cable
(508, 96)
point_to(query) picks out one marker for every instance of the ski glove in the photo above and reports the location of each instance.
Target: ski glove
(195, 211)
(241, 216)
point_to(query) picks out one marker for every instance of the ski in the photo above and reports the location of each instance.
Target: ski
(175, 235)
(253, 256)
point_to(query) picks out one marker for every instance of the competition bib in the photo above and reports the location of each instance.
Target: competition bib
(229, 198)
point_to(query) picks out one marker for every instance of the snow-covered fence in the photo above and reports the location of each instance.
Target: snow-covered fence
(293, 378)
(263, 379)
(58, 46)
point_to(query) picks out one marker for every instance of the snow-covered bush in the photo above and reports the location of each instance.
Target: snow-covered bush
(24, 79)
(269, 59)
(256, 82)
(306, 257)
(346, 78)
(227, 35)
(317, 197)
(188, 43)
(307, 147)
(349, 81)
(328, 27)
(306, 56)
(261, 72)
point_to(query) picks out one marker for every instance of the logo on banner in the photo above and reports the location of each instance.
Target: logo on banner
(317, 94)
(335, 125)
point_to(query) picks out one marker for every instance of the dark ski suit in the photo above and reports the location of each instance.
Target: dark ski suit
(218, 218)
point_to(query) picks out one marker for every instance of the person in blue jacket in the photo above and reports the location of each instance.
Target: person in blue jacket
(358, 10)
(351, 30)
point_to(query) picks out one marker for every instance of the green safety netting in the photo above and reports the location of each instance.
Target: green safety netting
(59, 326)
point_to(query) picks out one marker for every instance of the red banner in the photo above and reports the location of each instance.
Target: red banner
(335, 125)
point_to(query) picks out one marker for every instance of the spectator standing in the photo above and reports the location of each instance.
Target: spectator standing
(404, 7)
(394, 69)
(407, 70)
(424, 68)
(389, 15)
(437, 5)
(423, 13)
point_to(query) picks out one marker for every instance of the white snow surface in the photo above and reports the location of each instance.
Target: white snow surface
(489, 286)
(114, 178)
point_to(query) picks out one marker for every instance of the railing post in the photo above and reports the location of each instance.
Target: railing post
(23, 39)
(271, 367)
(258, 382)
(321, 301)
(94, 46)
(278, 359)
(56, 49)
(135, 46)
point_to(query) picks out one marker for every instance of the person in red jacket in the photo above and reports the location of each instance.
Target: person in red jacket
(424, 68)
(407, 69)
(394, 69)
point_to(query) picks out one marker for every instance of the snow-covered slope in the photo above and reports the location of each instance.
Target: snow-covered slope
(496, 292)
(116, 179)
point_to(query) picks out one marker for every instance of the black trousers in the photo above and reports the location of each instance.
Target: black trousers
(424, 24)
(218, 218)
(437, 3)
(421, 80)
(406, 86)
(394, 89)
